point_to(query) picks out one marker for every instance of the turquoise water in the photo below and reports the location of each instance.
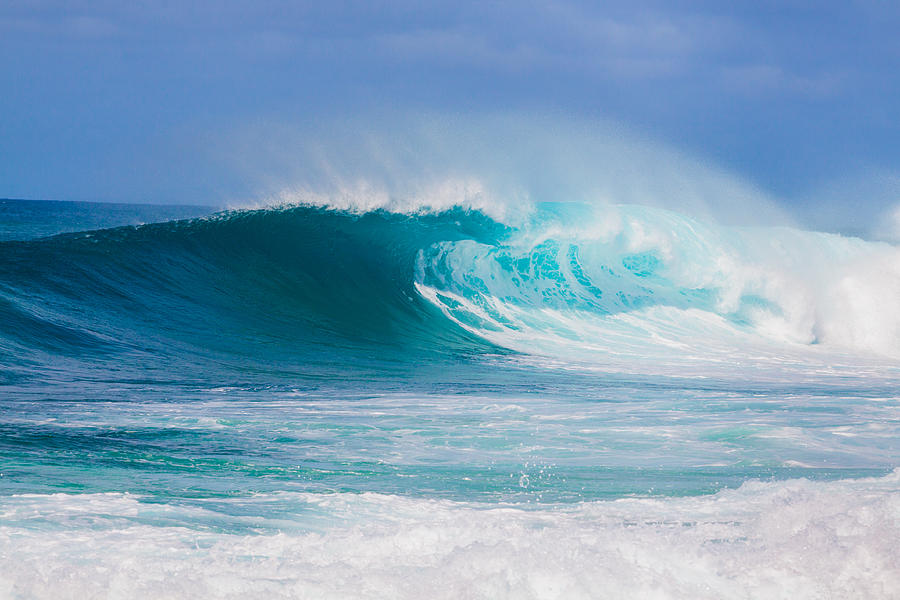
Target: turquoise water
(312, 402)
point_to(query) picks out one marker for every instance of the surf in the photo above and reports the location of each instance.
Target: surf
(620, 384)
(621, 287)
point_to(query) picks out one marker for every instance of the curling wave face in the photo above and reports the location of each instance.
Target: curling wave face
(262, 290)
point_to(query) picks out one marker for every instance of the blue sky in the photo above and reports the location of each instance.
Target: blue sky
(160, 101)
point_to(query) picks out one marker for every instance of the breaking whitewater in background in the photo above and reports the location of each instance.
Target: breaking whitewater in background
(359, 397)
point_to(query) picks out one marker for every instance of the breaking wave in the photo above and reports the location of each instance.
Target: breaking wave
(622, 287)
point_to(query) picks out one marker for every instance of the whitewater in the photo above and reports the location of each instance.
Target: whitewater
(332, 400)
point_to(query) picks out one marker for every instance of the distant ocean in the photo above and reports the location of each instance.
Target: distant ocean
(566, 401)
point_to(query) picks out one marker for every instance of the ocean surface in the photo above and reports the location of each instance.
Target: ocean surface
(561, 401)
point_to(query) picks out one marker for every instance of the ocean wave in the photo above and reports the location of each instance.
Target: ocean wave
(621, 286)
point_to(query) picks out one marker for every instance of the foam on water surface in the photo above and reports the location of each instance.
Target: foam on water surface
(790, 539)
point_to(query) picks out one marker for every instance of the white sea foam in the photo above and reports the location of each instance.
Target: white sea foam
(711, 293)
(794, 539)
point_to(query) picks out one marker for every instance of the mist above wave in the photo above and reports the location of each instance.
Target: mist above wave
(500, 163)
